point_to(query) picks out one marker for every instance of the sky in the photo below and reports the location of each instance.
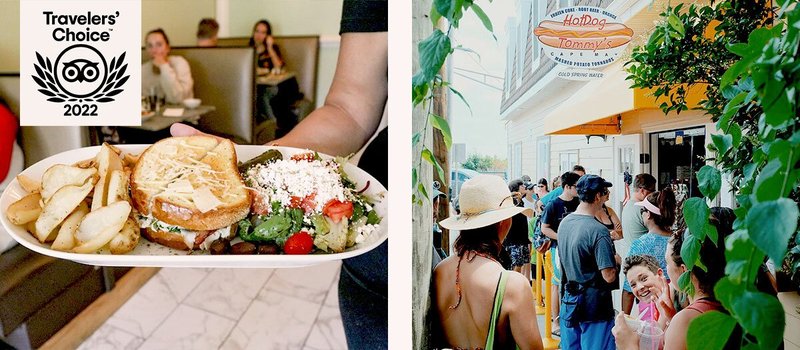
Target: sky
(481, 130)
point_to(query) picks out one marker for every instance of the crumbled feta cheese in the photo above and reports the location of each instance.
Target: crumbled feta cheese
(281, 180)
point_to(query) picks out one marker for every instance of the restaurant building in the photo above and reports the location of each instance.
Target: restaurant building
(604, 125)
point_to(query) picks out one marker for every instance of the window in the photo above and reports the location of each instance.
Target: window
(566, 161)
(543, 158)
(516, 161)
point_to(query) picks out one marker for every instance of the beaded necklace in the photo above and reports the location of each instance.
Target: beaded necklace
(470, 254)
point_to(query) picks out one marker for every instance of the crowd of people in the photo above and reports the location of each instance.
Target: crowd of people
(481, 300)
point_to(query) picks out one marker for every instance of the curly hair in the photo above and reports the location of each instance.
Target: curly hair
(645, 260)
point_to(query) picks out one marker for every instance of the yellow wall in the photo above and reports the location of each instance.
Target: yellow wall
(178, 18)
(296, 17)
(9, 36)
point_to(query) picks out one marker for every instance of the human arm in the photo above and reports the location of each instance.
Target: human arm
(605, 258)
(675, 334)
(522, 313)
(274, 53)
(176, 79)
(616, 233)
(625, 337)
(355, 101)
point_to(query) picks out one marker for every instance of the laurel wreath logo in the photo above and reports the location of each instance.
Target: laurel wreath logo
(45, 78)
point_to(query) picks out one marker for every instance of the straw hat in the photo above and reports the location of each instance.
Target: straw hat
(484, 200)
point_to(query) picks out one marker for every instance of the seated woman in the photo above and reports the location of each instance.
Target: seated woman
(273, 101)
(477, 303)
(269, 56)
(170, 74)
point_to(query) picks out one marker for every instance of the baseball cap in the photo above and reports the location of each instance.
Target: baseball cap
(590, 184)
(529, 185)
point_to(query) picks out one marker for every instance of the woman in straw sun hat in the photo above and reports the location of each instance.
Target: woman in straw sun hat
(478, 304)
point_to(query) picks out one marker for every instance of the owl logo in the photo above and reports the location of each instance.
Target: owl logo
(80, 70)
(80, 74)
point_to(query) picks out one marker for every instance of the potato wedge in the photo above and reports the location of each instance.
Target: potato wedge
(126, 239)
(118, 186)
(61, 204)
(101, 226)
(65, 239)
(107, 160)
(85, 164)
(25, 210)
(28, 184)
(60, 175)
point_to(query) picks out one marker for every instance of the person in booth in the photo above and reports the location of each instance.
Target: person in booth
(207, 32)
(169, 74)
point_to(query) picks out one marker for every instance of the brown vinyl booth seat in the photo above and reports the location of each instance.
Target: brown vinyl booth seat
(224, 77)
(301, 54)
(40, 294)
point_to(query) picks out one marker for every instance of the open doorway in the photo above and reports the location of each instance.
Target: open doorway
(677, 155)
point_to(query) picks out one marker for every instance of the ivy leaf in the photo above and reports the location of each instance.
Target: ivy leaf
(435, 16)
(423, 192)
(696, 212)
(461, 97)
(736, 134)
(676, 24)
(723, 142)
(709, 181)
(487, 23)
(709, 331)
(685, 283)
(415, 139)
(413, 177)
(761, 315)
(432, 53)
(690, 251)
(771, 224)
(442, 125)
(780, 111)
(774, 181)
(742, 258)
(428, 156)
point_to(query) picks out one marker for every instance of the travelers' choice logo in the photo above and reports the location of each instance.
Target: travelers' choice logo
(583, 37)
(79, 62)
(80, 74)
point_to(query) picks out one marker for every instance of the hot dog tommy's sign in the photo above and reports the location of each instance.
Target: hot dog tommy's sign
(582, 38)
(80, 62)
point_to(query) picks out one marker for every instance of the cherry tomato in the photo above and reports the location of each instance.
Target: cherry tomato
(299, 243)
(337, 210)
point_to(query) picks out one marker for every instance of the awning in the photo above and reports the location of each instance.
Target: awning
(601, 105)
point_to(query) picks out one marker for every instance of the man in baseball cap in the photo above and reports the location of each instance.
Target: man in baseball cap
(589, 271)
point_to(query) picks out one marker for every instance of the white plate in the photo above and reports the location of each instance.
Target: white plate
(153, 254)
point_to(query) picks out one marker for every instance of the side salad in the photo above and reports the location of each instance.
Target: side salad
(305, 204)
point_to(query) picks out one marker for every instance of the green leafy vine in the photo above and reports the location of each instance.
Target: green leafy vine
(745, 53)
(433, 52)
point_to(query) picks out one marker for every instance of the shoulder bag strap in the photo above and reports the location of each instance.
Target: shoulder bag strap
(498, 302)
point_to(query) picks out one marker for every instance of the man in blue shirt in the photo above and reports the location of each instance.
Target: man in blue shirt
(589, 272)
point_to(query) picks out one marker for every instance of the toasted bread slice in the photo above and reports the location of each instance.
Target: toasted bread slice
(191, 182)
(176, 240)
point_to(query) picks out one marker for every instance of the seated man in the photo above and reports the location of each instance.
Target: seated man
(207, 31)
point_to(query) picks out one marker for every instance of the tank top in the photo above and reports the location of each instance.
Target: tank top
(611, 225)
(498, 303)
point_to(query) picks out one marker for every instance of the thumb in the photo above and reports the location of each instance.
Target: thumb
(179, 129)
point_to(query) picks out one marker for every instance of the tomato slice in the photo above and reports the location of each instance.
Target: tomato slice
(306, 203)
(336, 210)
(260, 205)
